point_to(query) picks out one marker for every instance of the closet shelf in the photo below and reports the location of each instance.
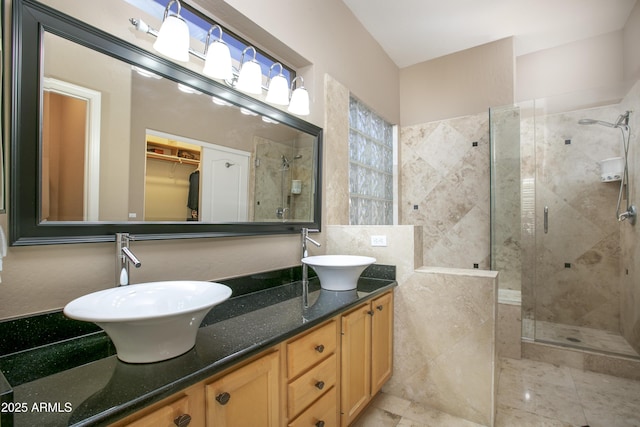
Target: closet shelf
(172, 158)
(173, 152)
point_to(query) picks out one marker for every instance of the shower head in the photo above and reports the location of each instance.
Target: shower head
(595, 122)
(621, 122)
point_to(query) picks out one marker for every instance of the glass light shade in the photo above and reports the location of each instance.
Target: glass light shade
(145, 73)
(299, 102)
(278, 90)
(250, 78)
(173, 39)
(217, 64)
(188, 89)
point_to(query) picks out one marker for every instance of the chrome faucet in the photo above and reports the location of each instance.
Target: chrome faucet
(124, 257)
(629, 215)
(305, 238)
(305, 268)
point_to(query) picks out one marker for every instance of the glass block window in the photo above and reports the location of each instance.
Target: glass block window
(371, 144)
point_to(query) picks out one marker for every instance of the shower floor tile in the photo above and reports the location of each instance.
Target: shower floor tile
(589, 338)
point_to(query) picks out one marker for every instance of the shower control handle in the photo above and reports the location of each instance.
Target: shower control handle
(546, 219)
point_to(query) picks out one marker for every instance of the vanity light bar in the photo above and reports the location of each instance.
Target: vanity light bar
(171, 43)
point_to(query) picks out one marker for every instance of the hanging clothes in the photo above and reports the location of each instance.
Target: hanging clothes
(194, 194)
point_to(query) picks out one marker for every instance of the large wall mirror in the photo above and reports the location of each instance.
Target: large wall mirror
(107, 137)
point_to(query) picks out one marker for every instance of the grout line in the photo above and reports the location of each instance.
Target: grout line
(575, 387)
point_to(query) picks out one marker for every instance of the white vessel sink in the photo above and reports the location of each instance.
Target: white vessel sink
(149, 322)
(338, 272)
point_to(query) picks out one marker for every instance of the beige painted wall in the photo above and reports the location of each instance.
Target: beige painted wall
(603, 62)
(333, 40)
(587, 64)
(460, 84)
(631, 36)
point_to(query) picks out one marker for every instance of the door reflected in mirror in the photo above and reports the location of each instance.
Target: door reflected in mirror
(123, 144)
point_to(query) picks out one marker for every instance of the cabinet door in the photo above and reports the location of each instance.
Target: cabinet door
(248, 396)
(381, 341)
(169, 415)
(356, 362)
(185, 408)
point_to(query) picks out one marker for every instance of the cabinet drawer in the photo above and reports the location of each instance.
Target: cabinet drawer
(322, 413)
(311, 385)
(310, 349)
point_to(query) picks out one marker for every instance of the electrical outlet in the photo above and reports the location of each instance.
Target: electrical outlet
(378, 240)
(132, 215)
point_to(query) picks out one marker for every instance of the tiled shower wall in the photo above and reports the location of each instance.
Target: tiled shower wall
(578, 258)
(273, 182)
(586, 271)
(444, 182)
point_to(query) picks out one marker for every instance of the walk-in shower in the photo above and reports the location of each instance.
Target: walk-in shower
(285, 199)
(554, 236)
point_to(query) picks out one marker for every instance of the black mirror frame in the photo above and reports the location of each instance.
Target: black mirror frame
(30, 20)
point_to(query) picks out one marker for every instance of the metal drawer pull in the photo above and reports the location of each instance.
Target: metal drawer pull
(320, 348)
(183, 420)
(320, 424)
(223, 398)
(320, 385)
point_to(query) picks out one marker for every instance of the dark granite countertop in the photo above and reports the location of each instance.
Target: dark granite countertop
(78, 380)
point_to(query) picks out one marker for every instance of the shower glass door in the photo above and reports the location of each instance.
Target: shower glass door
(577, 239)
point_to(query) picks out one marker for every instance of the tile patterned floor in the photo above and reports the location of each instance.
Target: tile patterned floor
(530, 394)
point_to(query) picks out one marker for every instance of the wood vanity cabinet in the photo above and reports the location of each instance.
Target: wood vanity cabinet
(323, 377)
(248, 396)
(367, 354)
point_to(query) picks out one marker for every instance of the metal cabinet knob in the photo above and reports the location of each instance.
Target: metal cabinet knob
(380, 307)
(320, 348)
(183, 420)
(223, 398)
(370, 313)
(320, 424)
(320, 385)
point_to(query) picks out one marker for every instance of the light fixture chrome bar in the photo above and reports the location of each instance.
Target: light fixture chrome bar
(142, 26)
